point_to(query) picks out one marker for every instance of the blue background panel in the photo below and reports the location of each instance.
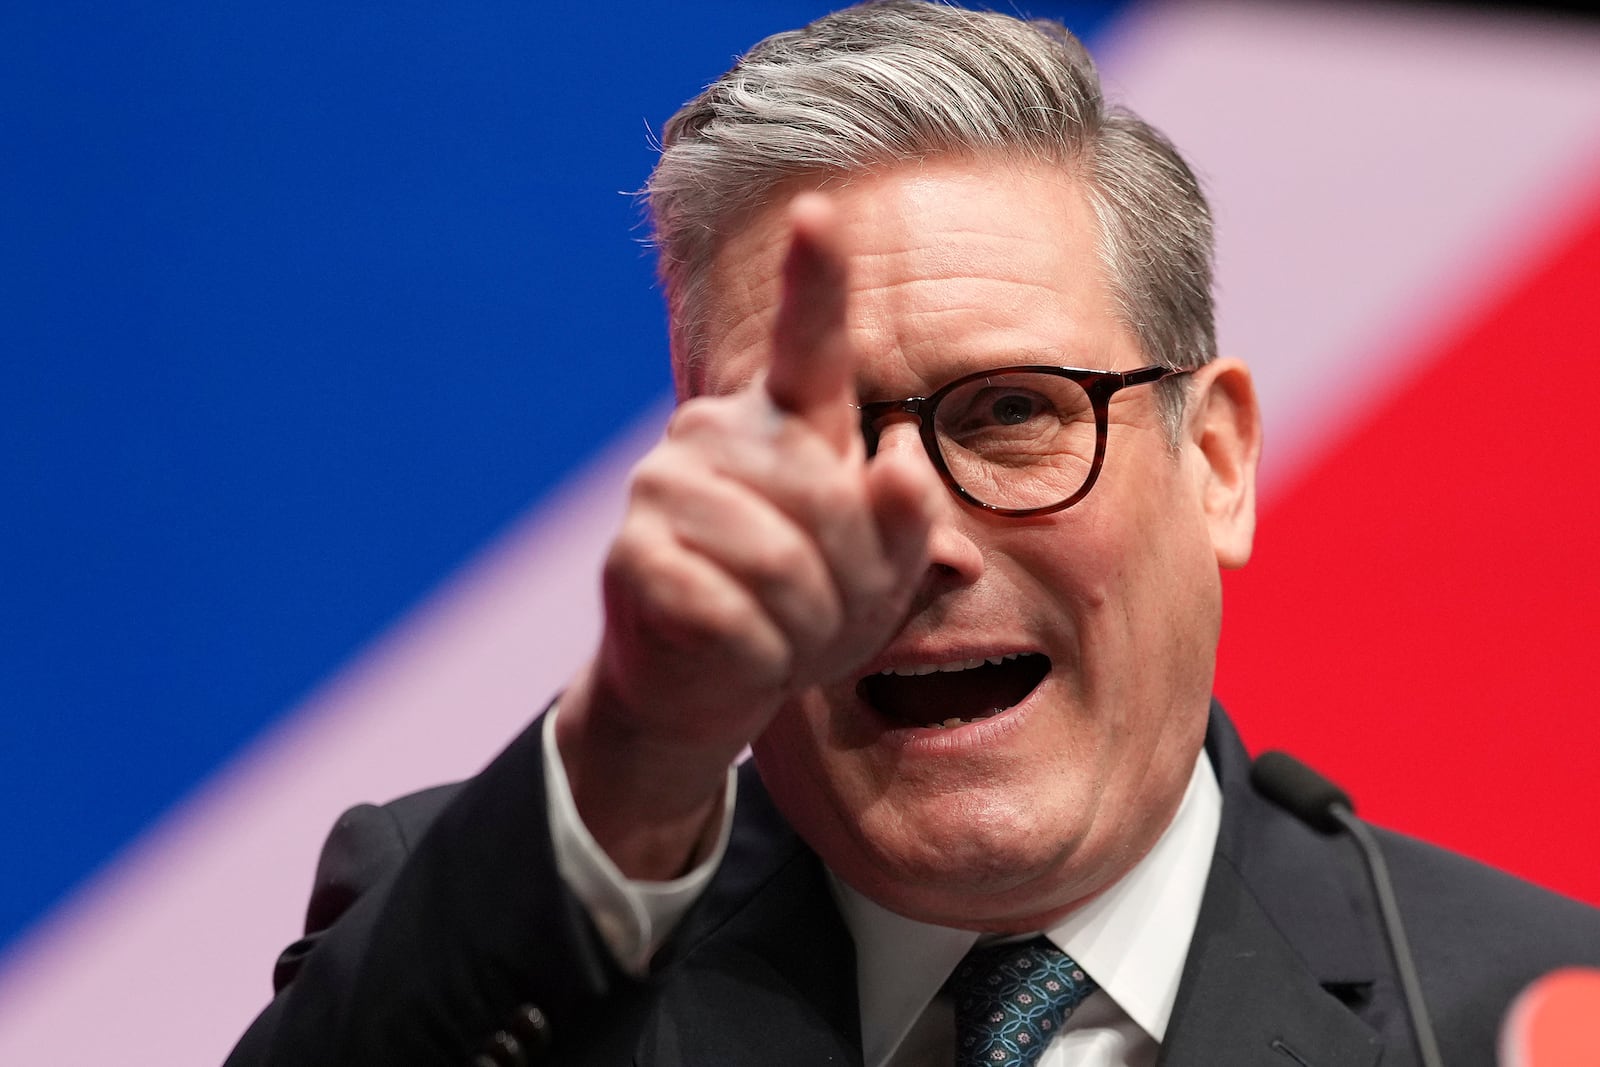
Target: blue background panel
(300, 304)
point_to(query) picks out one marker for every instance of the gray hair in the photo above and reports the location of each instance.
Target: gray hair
(897, 80)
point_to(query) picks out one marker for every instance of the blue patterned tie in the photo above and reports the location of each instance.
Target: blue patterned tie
(1010, 1000)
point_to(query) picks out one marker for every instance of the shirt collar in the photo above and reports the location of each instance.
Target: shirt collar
(1132, 939)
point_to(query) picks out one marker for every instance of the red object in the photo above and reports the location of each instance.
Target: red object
(1555, 1022)
(1419, 622)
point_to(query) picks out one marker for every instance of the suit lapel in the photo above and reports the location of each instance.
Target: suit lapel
(1281, 940)
(1248, 998)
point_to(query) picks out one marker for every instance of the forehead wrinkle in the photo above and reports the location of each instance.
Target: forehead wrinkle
(1052, 294)
(926, 284)
(987, 321)
(957, 253)
(973, 265)
(965, 321)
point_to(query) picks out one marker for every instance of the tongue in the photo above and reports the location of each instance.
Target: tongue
(930, 699)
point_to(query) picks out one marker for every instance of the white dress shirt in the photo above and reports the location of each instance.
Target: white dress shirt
(1132, 939)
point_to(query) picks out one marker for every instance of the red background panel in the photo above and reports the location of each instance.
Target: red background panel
(1419, 620)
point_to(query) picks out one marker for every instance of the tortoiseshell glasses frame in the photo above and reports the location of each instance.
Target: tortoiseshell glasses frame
(1012, 491)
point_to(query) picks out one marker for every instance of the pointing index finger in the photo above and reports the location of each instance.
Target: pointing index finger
(813, 364)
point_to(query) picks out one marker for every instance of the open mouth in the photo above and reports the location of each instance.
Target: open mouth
(954, 694)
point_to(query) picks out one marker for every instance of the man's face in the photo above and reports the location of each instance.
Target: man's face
(1113, 605)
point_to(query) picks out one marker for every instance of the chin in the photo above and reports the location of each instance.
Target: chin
(989, 874)
(973, 901)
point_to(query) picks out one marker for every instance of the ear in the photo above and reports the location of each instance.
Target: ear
(1224, 425)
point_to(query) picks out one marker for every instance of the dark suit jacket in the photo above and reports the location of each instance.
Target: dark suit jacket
(438, 921)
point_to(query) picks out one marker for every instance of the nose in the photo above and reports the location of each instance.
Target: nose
(883, 429)
(955, 557)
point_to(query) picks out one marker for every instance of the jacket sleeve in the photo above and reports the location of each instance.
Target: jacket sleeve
(439, 932)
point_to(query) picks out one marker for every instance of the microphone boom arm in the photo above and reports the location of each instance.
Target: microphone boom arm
(1383, 889)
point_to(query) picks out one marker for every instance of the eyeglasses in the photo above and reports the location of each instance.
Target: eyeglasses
(1017, 441)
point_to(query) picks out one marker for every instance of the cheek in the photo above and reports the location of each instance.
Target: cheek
(787, 746)
(792, 755)
(1151, 536)
(820, 789)
(1132, 594)
(1072, 572)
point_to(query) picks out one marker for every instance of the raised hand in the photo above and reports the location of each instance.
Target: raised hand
(760, 555)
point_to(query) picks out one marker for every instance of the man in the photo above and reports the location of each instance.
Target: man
(969, 637)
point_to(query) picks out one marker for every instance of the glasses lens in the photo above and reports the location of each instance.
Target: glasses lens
(1022, 439)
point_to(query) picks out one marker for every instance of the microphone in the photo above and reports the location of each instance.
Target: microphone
(1320, 804)
(1552, 1022)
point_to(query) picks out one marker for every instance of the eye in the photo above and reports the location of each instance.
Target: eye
(1013, 409)
(995, 407)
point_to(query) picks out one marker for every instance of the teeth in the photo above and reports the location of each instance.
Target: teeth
(915, 669)
(949, 724)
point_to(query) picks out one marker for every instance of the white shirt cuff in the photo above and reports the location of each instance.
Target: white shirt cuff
(633, 918)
